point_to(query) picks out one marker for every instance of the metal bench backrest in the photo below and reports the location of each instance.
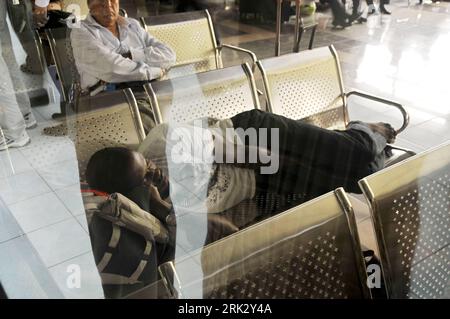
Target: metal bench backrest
(219, 94)
(116, 123)
(310, 251)
(306, 85)
(191, 35)
(410, 204)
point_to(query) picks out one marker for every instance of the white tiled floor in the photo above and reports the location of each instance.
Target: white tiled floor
(81, 219)
(406, 59)
(71, 197)
(38, 212)
(45, 225)
(48, 150)
(22, 273)
(22, 186)
(59, 242)
(12, 163)
(88, 287)
(67, 174)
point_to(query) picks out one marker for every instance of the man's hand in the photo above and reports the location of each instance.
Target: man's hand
(158, 207)
(40, 16)
(155, 197)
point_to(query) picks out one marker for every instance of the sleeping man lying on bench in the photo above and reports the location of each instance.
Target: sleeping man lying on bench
(211, 166)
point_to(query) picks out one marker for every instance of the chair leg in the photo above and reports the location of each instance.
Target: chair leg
(311, 39)
(300, 34)
(299, 39)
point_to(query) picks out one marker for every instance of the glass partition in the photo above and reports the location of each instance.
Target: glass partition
(221, 149)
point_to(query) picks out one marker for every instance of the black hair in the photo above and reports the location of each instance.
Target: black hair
(113, 170)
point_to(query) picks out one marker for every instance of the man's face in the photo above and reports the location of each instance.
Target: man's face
(106, 12)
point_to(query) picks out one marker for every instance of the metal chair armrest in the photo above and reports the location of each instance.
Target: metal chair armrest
(309, 26)
(170, 278)
(392, 160)
(387, 102)
(406, 150)
(235, 48)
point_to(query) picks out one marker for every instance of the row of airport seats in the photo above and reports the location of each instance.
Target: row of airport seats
(192, 36)
(174, 101)
(313, 250)
(219, 93)
(305, 85)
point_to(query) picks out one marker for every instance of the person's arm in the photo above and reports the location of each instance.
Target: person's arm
(159, 207)
(101, 62)
(155, 53)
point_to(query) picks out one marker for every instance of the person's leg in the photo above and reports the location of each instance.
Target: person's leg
(22, 21)
(286, 11)
(313, 160)
(13, 130)
(356, 7)
(370, 7)
(340, 17)
(356, 11)
(383, 9)
(16, 76)
(12, 125)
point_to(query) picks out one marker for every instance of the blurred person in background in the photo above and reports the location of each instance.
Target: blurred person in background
(25, 17)
(15, 110)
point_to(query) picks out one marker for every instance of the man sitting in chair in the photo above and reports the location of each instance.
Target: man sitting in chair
(111, 52)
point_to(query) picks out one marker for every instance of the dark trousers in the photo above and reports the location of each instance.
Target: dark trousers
(338, 9)
(22, 21)
(312, 160)
(382, 2)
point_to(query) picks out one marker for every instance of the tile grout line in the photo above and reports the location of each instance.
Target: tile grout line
(64, 202)
(77, 256)
(49, 225)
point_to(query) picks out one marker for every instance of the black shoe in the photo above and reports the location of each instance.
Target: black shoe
(343, 24)
(371, 11)
(362, 20)
(384, 11)
(356, 16)
(39, 97)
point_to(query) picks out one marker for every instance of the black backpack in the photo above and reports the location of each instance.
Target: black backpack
(128, 243)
